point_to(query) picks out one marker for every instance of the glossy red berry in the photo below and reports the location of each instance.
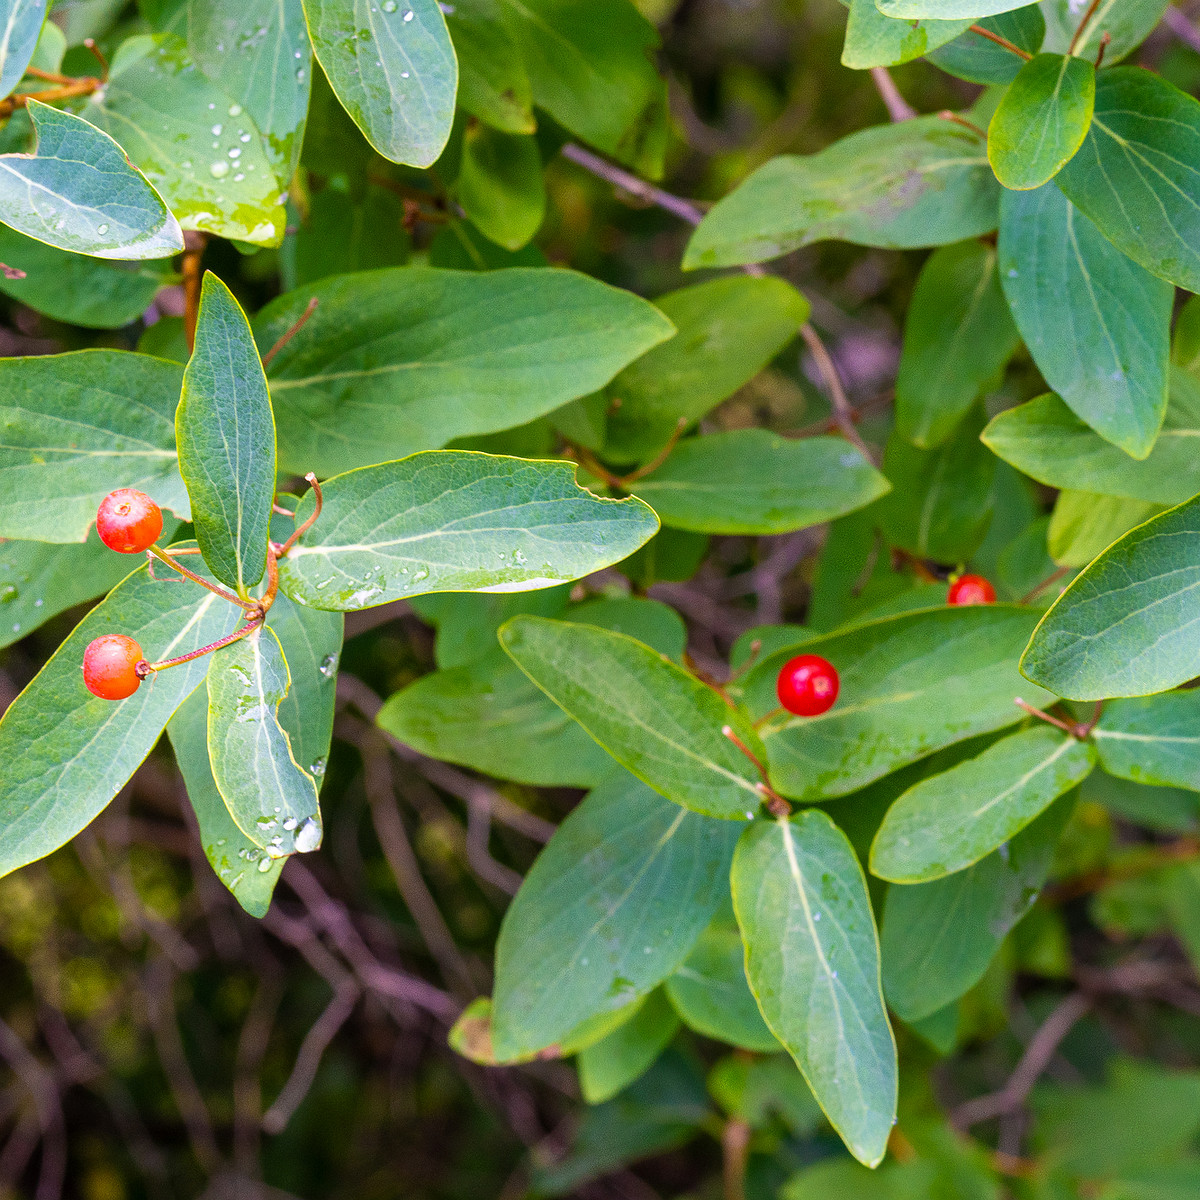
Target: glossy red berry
(971, 589)
(110, 666)
(128, 521)
(807, 685)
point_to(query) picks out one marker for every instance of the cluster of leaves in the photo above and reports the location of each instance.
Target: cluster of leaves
(796, 889)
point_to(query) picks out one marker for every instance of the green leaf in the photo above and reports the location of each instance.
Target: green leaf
(489, 716)
(493, 84)
(78, 192)
(950, 821)
(610, 1065)
(454, 520)
(923, 182)
(1136, 174)
(873, 40)
(73, 427)
(394, 70)
(939, 937)
(1097, 324)
(343, 233)
(728, 331)
(270, 796)
(958, 337)
(979, 60)
(39, 580)
(500, 185)
(401, 360)
(757, 482)
(1045, 440)
(591, 68)
(946, 9)
(226, 437)
(20, 28)
(77, 288)
(164, 113)
(1152, 739)
(653, 717)
(1042, 120)
(240, 864)
(466, 622)
(1126, 626)
(1126, 22)
(67, 753)
(910, 684)
(812, 959)
(1084, 524)
(259, 53)
(711, 994)
(611, 907)
(941, 501)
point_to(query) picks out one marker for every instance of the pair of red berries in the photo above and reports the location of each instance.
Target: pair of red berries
(129, 522)
(808, 684)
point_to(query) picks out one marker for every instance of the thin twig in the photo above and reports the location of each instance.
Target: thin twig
(193, 253)
(297, 325)
(898, 108)
(247, 1077)
(301, 530)
(1105, 40)
(1057, 722)
(843, 413)
(48, 1116)
(660, 458)
(685, 210)
(1053, 577)
(1087, 16)
(1000, 41)
(735, 1147)
(1034, 1061)
(947, 115)
(479, 827)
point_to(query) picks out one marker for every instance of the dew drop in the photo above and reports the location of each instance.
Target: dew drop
(219, 170)
(308, 836)
(390, 6)
(216, 130)
(317, 770)
(101, 229)
(235, 153)
(235, 110)
(329, 665)
(243, 137)
(408, 16)
(264, 864)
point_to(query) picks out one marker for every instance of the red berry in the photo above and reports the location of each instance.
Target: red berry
(807, 685)
(128, 521)
(971, 589)
(110, 666)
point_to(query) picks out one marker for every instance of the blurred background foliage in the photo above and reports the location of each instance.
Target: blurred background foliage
(148, 1024)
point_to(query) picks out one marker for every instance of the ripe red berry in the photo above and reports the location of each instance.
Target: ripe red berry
(128, 521)
(110, 666)
(807, 685)
(971, 589)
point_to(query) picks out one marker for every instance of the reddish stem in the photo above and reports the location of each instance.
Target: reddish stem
(1000, 41)
(301, 321)
(301, 530)
(216, 589)
(776, 804)
(144, 668)
(1087, 16)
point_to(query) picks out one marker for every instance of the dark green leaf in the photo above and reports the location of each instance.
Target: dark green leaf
(728, 331)
(493, 84)
(166, 116)
(75, 426)
(812, 959)
(627, 871)
(950, 821)
(979, 60)
(393, 68)
(710, 992)
(402, 360)
(88, 197)
(653, 717)
(946, 9)
(939, 937)
(240, 864)
(500, 185)
(910, 684)
(1042, 120)
(873, 40)
(610, 1065)
(1127, 626)
(226, 437)
(67, 752)
(924, 182)
(1152, 739)
(1126, 22)
(1097, 324)
(1137, 174)
(958, 337)
(343, 234)
(591, 68)
(1083, 524)
(454, 520)
(755, 481)
(259, 53)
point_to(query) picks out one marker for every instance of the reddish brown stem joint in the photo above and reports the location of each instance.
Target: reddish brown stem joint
(775, 804)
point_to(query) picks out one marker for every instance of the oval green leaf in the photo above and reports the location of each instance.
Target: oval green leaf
(977, 59)
(78, 192)
(812, 959)
(20, 28)
(950, 821)
(653, 717)
(226, 437)
(873, 40)
(1152, 739)
(393, 68)
(1042, 120)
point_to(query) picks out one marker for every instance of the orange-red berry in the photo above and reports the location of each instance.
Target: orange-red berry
(128, 521)
(110, 666)
(971, 589)
(807, 685)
